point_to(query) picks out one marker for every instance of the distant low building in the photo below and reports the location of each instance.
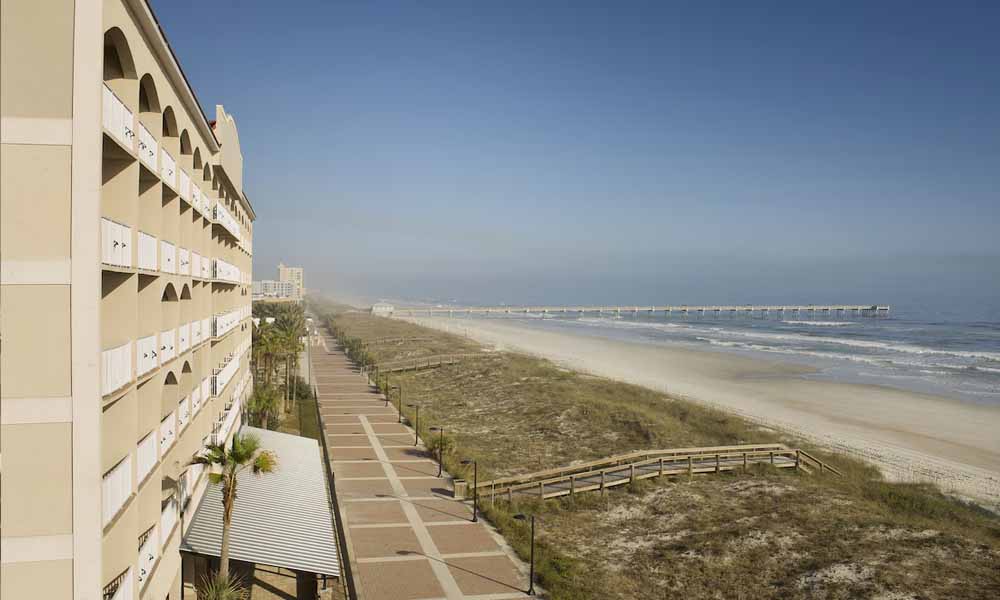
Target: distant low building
(382, 309)
(269, 289)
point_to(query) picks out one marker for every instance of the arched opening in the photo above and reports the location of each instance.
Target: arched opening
(169, 309)
(206, 173)
(186, 304)
(187, 378)
(119, 68)
(185, 146)
(196, 160)
(149, 104)
(168, 406)
(169, 133)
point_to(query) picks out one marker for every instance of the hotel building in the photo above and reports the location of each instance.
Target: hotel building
(295, 276)
(125, 246)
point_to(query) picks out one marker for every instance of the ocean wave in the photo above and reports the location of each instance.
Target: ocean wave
(821, 323)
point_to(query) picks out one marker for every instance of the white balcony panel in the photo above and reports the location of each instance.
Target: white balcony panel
(195, 333)
(116, 243)
(184, 337)
(116, 487)
(184, 187)
(183, 261)
(168, 518)
(225, 322)
(116, 368)
(147, 355)
(147, 147)
(189, 479)
(196, 201)
(221, 377)
(225, 218)
(147, 251)
(195, 264)
(168, 257)
(206, 328)
(125, 589)
(168, 169)
(183, 413)
(168, 345)
(195, 397)
(117, 119)
(149, 552)
(168, 433)
(225, 271)
(206, 389)
(146, 454)
(206, 268)
(229, 422)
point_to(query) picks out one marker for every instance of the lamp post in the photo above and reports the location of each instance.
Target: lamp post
(416, 424)
(440, 431)
(387, 391)
(531, 577)
(475, 488)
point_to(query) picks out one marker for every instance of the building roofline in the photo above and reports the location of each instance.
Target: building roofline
(161, 47)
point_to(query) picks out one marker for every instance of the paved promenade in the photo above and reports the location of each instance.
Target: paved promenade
(407, 537)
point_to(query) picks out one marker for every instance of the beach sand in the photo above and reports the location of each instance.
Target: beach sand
(908, 435)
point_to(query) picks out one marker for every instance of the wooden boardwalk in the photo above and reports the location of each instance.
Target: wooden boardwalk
(872, 310)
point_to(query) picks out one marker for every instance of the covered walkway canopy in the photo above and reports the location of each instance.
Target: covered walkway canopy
(281, 519)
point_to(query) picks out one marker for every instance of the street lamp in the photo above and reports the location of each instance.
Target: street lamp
(440, 431)
(531, 577)
(475, 488)
(416, 424)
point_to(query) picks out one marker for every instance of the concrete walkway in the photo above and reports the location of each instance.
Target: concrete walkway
(407, 538)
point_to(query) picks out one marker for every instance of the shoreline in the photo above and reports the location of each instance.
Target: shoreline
(910, 436)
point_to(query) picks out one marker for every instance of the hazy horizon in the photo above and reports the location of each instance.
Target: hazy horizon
(637, 152)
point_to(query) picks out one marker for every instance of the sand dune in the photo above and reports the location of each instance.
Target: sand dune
(910, 436)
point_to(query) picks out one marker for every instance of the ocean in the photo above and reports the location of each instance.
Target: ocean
(913, 350)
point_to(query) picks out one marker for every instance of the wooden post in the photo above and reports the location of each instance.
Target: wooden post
(631, 473)
(744, 461)
(493, 493)
(572, 484)
(690, 467)
(602, 483)
(772, 457)
(796, 460)
(661, 466)
(716, 463)
(510, 496)
(541, 490)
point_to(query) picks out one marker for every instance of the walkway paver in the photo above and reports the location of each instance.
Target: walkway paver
(407, 537)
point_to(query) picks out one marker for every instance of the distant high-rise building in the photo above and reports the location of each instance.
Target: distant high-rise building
(293, 275)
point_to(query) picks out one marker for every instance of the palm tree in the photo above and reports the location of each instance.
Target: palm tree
(244, 454)
(263, 407)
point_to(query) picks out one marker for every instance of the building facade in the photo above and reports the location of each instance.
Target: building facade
(125, 247)
(269, 288)
(295, 276)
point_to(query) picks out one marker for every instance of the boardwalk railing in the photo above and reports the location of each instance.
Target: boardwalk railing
(426, 362)
(873, 310)
(626, 468)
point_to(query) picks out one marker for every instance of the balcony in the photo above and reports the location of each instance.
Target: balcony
(116, 488)
(118, 120)
(168, 169)
(196, 199)
(206, 268)
(228, 222)
(221, 377)
(168, 348)
(147, 454)
(206, 328)
(120, 587)
(116, 368)
(116, 244)
(228, 422)
(184, 191)
(147, 355)
(189, 479)
(183, 261)
(147, 148)
(195, 264)
(206, 389)
(168, 519)
(225, 271)
(168, 433)
(195, 397)
(195, 333)
(149, 553)
(183, 413)
(225, 322)
(147, 251)
(184, 337)
(168, 257)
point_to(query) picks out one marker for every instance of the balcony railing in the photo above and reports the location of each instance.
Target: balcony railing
(196, 198)
(195, 264)
(195, 333)
(184, 337)
(146, 454)
(120, 587)
(116, 367)
(189, 479)
(222, 376)
(168, 257)
(168, 518)
(206, 389)
(195, 396)
(116, 243)
(147, 147)
(147, 354)
(168, 169)
(228, 422)
(183, 261)
(116, 487)
(149, 552)
(168, 349)
(225, 322)
(225, 271)
(228, 222)
(168, 433)
(118, 119)
(147, 251)
(185, 185)
(183, 413)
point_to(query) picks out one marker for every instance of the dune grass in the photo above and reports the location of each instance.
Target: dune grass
(766, 533)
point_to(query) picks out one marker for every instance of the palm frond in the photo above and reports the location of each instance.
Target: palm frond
(266, 462)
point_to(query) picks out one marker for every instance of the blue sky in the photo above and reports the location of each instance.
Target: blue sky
(561, 151)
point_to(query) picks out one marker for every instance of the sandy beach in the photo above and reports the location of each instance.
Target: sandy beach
(910, 436)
